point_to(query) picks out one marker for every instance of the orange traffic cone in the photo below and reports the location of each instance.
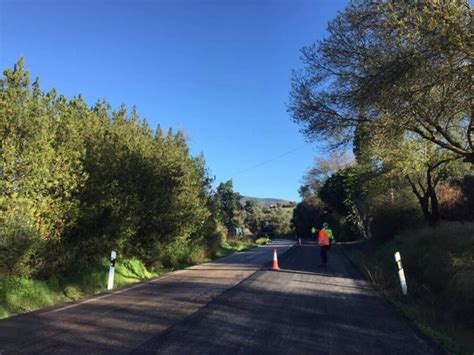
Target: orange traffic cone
(275, 260)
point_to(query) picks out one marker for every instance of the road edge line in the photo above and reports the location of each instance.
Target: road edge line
(143, 283)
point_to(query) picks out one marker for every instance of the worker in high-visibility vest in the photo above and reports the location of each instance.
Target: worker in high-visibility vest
(330, 233)
(325, 238)
(313, 232)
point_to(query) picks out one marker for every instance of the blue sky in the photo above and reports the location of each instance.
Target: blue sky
(218, 70)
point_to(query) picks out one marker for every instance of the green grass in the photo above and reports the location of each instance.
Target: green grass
(232, 246)
(439, 266)
(21, 295)
(263, 241)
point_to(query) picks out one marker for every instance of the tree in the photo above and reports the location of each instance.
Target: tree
(356, 192)
(229, 205)
(323, 168)
(277, 221)
(41, 152)
(424, 165)
(76, 182)
(254, 216)
(395, 66)
(311, 212)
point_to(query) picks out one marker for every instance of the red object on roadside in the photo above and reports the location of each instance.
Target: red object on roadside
(275, 260)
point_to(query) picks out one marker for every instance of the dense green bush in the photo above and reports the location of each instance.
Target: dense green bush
(215, 234)
(181, 253)
(19, 244)
(263, 241)
(93, 179)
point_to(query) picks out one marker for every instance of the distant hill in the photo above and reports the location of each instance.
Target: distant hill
(267, 202)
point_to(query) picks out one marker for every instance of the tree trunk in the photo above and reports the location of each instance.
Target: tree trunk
(435, 209)
(470, 130)
(431, 194)
(423, 199)
(359, 221)
(425, 208)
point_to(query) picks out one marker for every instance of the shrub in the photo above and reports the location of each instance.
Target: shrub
(439, 262)
(133, 268)
(390, 220)
(215, 236)
(456, 199)
(19, 245)
(197, 254)
(174, 254)
(439, 266)
(19, 294)
(263, 241)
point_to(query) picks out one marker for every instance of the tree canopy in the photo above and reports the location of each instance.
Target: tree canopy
(395, 65)
(85, 180)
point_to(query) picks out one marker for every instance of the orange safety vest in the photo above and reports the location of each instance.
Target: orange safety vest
(323, 238)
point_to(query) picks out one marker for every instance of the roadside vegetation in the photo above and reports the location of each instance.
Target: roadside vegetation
(26, 294)
(78, 181)
(439, 276)
(21, 294)
(390, 90)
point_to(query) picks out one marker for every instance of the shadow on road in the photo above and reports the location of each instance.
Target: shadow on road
(277, 312)
(306, 259)
(299, 310)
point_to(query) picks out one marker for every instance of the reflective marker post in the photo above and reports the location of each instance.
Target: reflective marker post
(110, 283)
(401, 273)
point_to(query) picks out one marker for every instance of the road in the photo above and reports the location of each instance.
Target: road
(234, 305)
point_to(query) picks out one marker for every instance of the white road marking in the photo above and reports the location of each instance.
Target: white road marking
(116, 292)
(145, 283)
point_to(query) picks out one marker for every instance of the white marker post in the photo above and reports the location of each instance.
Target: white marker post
(401, 273)
(110, 283)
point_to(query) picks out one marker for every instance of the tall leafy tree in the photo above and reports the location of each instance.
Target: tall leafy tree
(254, 216)
(322, 169)
(88, 180)
(405, 66)
(309, 213)
(41, 154)
(229, 205)
(424, 165)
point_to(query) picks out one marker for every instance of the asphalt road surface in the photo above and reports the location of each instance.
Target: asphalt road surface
(234, 305)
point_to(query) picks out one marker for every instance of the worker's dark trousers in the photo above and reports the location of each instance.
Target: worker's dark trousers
(324, 254)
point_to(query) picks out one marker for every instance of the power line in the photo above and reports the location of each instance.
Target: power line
(269, 160)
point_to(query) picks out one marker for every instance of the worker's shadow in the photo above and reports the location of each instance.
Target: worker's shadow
(307, 260)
